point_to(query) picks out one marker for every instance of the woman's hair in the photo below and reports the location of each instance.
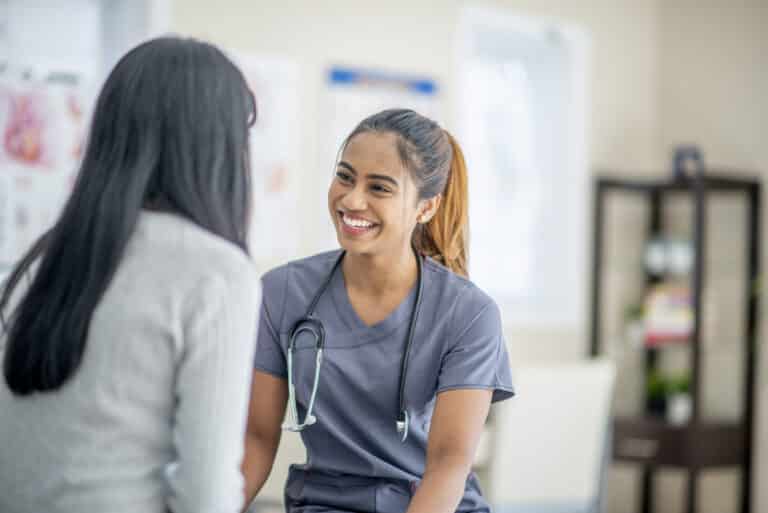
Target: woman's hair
(170, 133)
(437, 165)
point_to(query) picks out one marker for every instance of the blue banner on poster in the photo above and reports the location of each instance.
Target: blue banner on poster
(350, 76)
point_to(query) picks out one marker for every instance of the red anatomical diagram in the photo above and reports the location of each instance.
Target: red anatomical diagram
(23, 134)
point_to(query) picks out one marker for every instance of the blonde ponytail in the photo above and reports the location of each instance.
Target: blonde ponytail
(446, 235)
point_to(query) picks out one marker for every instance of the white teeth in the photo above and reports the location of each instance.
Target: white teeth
(356, 223)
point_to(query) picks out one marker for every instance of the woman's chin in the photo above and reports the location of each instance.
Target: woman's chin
(356, 245)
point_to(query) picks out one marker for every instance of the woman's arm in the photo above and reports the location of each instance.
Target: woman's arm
(269, 395)
(211, 388)
(457, 424)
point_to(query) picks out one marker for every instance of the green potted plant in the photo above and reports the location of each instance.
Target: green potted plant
(656, 394)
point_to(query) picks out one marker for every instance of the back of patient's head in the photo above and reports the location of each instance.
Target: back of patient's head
(169, 132)
(174, 115)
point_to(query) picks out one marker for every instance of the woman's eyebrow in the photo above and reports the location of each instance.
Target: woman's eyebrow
(346, 165)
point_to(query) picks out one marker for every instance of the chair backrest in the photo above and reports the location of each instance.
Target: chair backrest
(552, 441)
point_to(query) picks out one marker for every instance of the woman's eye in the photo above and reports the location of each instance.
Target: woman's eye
(343, 176)
(380, 189)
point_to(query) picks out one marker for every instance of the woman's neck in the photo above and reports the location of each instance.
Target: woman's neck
(380, 275)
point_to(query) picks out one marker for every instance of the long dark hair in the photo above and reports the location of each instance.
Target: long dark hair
(169, 132)
(436, 163)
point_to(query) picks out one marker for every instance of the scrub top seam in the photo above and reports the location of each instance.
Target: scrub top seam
(474, 319)
(455, 307)
(472, 386)
(271, 372)
(288, 273)
(273, 333)
(499, 342)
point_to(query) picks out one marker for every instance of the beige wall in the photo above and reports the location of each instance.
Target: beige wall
(419, 37)
(714, 92)
(662, 72)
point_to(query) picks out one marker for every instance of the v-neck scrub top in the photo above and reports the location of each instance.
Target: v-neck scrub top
(355, 459)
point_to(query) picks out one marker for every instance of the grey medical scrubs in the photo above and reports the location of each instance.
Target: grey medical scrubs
(355, 459)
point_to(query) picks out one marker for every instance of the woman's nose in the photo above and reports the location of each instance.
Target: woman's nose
(355, 199)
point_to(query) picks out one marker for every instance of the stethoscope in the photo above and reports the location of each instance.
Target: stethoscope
(312, 325)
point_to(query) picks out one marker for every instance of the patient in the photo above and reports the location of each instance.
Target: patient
(128, 328)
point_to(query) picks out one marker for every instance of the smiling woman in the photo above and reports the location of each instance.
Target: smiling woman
(383, 348)
(369, 196)
(400, 160)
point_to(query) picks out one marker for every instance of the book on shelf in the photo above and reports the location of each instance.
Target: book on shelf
(667, 315)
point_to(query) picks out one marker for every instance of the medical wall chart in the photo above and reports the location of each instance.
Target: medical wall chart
(42, 135)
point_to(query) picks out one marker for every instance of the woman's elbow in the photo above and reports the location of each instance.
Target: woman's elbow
(455, 459)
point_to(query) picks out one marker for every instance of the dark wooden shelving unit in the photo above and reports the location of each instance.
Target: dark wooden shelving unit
(648, 440)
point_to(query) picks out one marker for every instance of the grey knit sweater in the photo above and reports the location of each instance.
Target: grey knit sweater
(154, 418)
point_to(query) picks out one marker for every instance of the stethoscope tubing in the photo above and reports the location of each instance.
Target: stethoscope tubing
(310, 323)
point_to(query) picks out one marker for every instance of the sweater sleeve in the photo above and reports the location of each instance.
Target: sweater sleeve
(212, 391)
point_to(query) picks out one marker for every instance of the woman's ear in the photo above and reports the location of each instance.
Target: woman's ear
(428, 208)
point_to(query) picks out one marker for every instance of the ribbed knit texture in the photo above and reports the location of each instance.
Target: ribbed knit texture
(154, 418)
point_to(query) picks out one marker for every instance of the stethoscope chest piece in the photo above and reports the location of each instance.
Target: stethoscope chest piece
(313, 327)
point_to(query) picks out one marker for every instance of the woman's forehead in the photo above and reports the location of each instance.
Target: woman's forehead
(374, 152)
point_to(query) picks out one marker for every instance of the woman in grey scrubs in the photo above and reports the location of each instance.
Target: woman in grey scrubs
(399, 196)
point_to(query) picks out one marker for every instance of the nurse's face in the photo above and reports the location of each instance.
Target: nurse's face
(373, 200)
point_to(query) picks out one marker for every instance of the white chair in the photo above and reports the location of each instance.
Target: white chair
(551, 442)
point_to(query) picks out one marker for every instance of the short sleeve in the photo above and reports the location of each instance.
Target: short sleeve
(269, 355)
(478, 356)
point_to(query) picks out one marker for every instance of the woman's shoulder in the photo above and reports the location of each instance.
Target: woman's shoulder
(470, 314)
(457, 294)
(192, 248)
(287, 289)
(308, 271)
(460, 299)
